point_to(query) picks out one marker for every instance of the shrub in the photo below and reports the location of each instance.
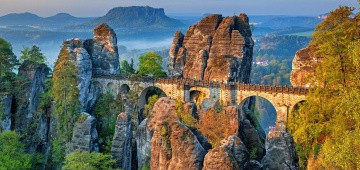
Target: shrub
(87, 161)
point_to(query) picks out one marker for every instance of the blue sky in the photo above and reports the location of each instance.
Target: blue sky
(226, 7)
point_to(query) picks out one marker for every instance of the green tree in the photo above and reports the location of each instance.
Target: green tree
(65, 94)
(126, 68)
(150, 104)
(8, 62)
(106, 110)
(32, 54)
(12, 152)
(150, 64)
(79, 160)
(326, 127)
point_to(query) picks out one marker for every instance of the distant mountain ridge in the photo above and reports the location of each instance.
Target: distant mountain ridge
(24, 19)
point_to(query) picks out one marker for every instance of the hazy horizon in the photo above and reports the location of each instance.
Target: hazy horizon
(95, 8)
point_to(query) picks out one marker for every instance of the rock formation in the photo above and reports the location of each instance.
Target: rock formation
(103, 51)
(216, 48)
(251, 134)
(121, 150)
(280, 153)
(173, 145)
(85, 136)
(28, 98)
(83, 64)
(143, 145)
(28, 122)
(303, 65)
(231, 154)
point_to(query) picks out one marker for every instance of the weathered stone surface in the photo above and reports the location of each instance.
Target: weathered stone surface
(85, 136)
(255, 165)
(176, 55)
(103, 51)
(83, 64)
(251, 133)
(280, 153)
(5, 119)
(216, 48)
(143, 138)
(173, 145)
(303, 65)
(121, 150)
(231, 154)
(28, 98)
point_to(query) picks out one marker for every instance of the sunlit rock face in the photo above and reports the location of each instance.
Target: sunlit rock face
(231, 154)
(303, 66)
(173, 145)
(103, 51)
(217, 48)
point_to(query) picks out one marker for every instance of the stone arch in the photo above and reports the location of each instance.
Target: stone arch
(198, 95)
(97, 86)
(110, 87)
(296, 105)
(144, 94)
(268, 113)
(124, 89)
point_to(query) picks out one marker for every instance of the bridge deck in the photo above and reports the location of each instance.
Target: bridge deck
(207, 83)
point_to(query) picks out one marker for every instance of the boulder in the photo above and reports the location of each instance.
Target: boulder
(230, 154)
(85, 136)
(5, 119)
(103, 51)
(280, 153)
(216, 48)
(173, 145)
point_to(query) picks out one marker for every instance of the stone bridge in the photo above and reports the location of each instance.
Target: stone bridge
(283, 98)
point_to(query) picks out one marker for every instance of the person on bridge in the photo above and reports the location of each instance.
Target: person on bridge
(195, 77)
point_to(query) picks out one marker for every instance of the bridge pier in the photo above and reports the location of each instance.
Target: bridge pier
(281, 117)
(186, 93)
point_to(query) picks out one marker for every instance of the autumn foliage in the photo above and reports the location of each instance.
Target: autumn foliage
(217, 125)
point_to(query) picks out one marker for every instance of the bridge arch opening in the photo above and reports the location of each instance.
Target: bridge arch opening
(124, 89)
(110, 87)
(145, 96)
(197, 97)
(261, 109)
(294, 112)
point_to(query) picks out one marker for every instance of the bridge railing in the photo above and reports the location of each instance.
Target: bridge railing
(209, 83)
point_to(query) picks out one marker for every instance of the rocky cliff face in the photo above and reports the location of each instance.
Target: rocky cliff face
(103, 51)
(98, 55)
(28, 100)
(216, 48)
(85, 136)
(121, 150)
(173, 145)
(231, 154)
(280, 153)
(303, 65)
(83, 64)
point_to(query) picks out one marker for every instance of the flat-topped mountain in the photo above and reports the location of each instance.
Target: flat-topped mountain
(136, 16)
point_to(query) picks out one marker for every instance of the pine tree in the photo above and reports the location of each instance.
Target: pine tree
(65, 93)
(32, 54)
